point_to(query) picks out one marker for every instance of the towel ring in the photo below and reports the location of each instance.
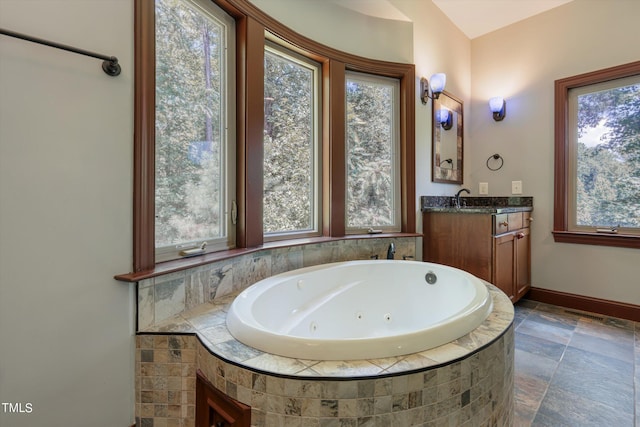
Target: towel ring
(495, 157)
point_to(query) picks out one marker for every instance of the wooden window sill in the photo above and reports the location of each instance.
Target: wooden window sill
(584, 238)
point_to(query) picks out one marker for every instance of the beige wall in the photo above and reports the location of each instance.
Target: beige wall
(66, 340)
(521, 63)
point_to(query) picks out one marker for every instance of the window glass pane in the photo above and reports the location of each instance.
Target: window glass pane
(607, 188)
(372, 150)
(190, 124)
(290, 144)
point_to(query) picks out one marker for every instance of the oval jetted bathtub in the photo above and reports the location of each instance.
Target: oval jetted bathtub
(359, 310)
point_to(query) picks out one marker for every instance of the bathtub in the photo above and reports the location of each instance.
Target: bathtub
(359, 310)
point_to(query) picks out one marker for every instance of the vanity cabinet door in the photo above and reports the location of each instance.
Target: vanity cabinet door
(458, 240)
(523, 262)
(512, 263)
(504, 256)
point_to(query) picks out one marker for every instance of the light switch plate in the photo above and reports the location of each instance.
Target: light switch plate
(516, 187)
(483, 188)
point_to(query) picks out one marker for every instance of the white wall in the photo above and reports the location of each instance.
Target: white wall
(341, 28)
(66, 326)
(521, 62)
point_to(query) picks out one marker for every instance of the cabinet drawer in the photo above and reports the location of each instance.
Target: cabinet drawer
(515, 221)
(507, 222)
(501, 224)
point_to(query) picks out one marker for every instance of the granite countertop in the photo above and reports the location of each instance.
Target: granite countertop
(478, 209)
(208, 321)
(477, 205)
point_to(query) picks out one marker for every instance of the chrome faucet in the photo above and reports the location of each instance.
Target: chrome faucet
(456, 198)
(391, 251)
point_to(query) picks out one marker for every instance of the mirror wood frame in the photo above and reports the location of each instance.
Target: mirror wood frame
(453, 174)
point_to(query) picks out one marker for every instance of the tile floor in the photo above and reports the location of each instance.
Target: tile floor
(575, 369)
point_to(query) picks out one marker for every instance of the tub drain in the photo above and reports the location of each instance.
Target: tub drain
(313, 326)
(387, 317)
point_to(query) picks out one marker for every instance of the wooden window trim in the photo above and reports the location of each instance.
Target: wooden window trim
(144, 131)
(251, 24)
(561, 232)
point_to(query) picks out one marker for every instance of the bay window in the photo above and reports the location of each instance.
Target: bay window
(291, 144)
(242, 129)
(194, 143)
(373, 170)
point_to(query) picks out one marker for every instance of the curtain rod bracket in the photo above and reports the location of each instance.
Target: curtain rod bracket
(111, 67)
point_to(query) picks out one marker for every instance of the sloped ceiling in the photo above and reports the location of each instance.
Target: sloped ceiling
(473, 17)
(478, 17)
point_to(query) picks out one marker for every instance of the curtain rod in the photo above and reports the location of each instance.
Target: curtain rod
(109, 65)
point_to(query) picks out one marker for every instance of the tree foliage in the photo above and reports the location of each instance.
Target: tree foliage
(370, 154)
(289, 145)
(190, 136)
(608, 184)
(189, 92)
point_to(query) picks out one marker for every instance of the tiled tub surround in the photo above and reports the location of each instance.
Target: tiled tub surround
(160, 298)
(466, 382)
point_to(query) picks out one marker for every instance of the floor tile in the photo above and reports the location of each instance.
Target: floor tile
(534, 365)
(556, 317)
(528, 394)
(597, 378)
(539, 346)
(575, 369)
(605, 329)
(563, 408)
(613, 347)
(542, 327)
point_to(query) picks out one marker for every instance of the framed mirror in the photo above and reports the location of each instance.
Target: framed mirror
(447, 144)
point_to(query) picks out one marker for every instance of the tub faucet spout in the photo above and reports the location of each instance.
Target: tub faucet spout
(391, 251)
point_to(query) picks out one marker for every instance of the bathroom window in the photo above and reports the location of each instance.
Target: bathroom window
(373, 170)
(194, 154)
(291, 145)
(598, 158)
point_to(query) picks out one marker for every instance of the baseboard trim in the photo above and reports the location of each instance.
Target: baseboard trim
(579, 302)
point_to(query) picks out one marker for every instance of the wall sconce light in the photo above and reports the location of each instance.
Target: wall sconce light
(437, 86)
(445, 118)
(498, 107)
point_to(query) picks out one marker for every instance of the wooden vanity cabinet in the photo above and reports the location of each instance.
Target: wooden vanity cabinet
(494, 247)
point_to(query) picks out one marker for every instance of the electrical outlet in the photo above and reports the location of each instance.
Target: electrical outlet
(516, 187)
(483, 188)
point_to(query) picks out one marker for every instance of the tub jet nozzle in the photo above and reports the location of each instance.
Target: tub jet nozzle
(431, 278)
